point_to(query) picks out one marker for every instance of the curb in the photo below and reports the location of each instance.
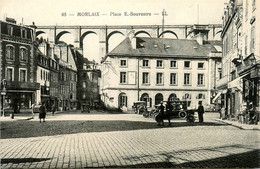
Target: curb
(239, 125)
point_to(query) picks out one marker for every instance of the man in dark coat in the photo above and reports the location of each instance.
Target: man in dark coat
(42, 113)
(169, 109)
(200, 112)
(161, 108)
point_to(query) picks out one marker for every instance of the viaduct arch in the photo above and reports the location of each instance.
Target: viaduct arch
(104, 33)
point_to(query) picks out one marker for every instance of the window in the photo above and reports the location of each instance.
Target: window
(23, 54)
(85, 75)
(201, 96)
(122, 77)
(122, 99)
(186, 78)
(253, 5)
(246, 45)
(252, 38)
(10, 52)
(83, 96)
(22, 75)
(84, 85)
(187, 96)
(145, 78)
(159, 78)
(173, 63)
(173, 79)
(145, 63)
(85, 66)
(10, 74)
(246, 11)
(200, 65)
(186, 64)
(159, 63)
(220, 73)
(200, 79)
(10, 30)
(123, 63)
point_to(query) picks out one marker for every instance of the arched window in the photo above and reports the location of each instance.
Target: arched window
(122, 100)
(145, 97)
(23, 54)
(10, 52)
(158, 98)
(172, 97)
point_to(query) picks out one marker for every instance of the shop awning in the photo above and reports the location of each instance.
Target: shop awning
(237, 83)
(216, 97)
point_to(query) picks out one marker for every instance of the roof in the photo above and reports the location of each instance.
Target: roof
(158, 47)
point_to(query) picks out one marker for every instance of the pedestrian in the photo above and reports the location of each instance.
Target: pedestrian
(42, 113)
(200, 112)
(161, 108)
(169, 109)
(82, 108)
(33, 105)
(53, 109)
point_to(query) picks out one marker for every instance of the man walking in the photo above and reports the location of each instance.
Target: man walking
(200, 112)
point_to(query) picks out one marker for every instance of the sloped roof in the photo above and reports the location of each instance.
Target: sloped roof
(165, 48)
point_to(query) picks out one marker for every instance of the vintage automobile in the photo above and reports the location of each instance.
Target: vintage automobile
(139, 107)
(179, 110)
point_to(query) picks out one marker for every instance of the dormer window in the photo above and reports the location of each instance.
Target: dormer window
(10, 30)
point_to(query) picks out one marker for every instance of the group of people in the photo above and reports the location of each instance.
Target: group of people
(169, 109)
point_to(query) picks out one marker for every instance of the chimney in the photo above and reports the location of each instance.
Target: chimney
(200, 33)
(199, 38)
(132, 38)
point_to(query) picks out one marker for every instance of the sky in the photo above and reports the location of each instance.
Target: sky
(49, 12)
(106, 12)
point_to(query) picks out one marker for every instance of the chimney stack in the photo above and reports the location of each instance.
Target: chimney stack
(132, 38)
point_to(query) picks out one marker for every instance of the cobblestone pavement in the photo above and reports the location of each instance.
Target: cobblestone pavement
(189, 146)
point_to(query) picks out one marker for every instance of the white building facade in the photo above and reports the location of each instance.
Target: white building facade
(155, 70)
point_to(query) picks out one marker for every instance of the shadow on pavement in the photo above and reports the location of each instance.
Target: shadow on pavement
(248, 159)
(22, 160)
(24, 129)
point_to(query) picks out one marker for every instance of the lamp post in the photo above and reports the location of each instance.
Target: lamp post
(3, 92)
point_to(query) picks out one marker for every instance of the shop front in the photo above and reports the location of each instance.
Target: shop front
(251, 84)
(19, 96)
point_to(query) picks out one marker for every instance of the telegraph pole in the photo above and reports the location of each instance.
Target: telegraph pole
(163, 14)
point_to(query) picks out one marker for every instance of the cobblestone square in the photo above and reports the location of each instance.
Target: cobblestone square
(212, 144)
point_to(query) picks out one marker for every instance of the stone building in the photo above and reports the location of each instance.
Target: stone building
(47, 75)
(240, 64)
(67, 78)
(17, 66)
(88, 81)
(155, 69)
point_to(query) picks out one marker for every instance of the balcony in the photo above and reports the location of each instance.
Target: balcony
(31, 86)
(222, 83)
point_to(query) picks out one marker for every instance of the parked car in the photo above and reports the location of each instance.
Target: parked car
(139, 107)
(179, 110)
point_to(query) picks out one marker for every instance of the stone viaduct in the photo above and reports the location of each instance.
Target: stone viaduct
(104, 33)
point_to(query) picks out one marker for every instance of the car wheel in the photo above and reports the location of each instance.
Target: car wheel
(190, 119)
(182, 114)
